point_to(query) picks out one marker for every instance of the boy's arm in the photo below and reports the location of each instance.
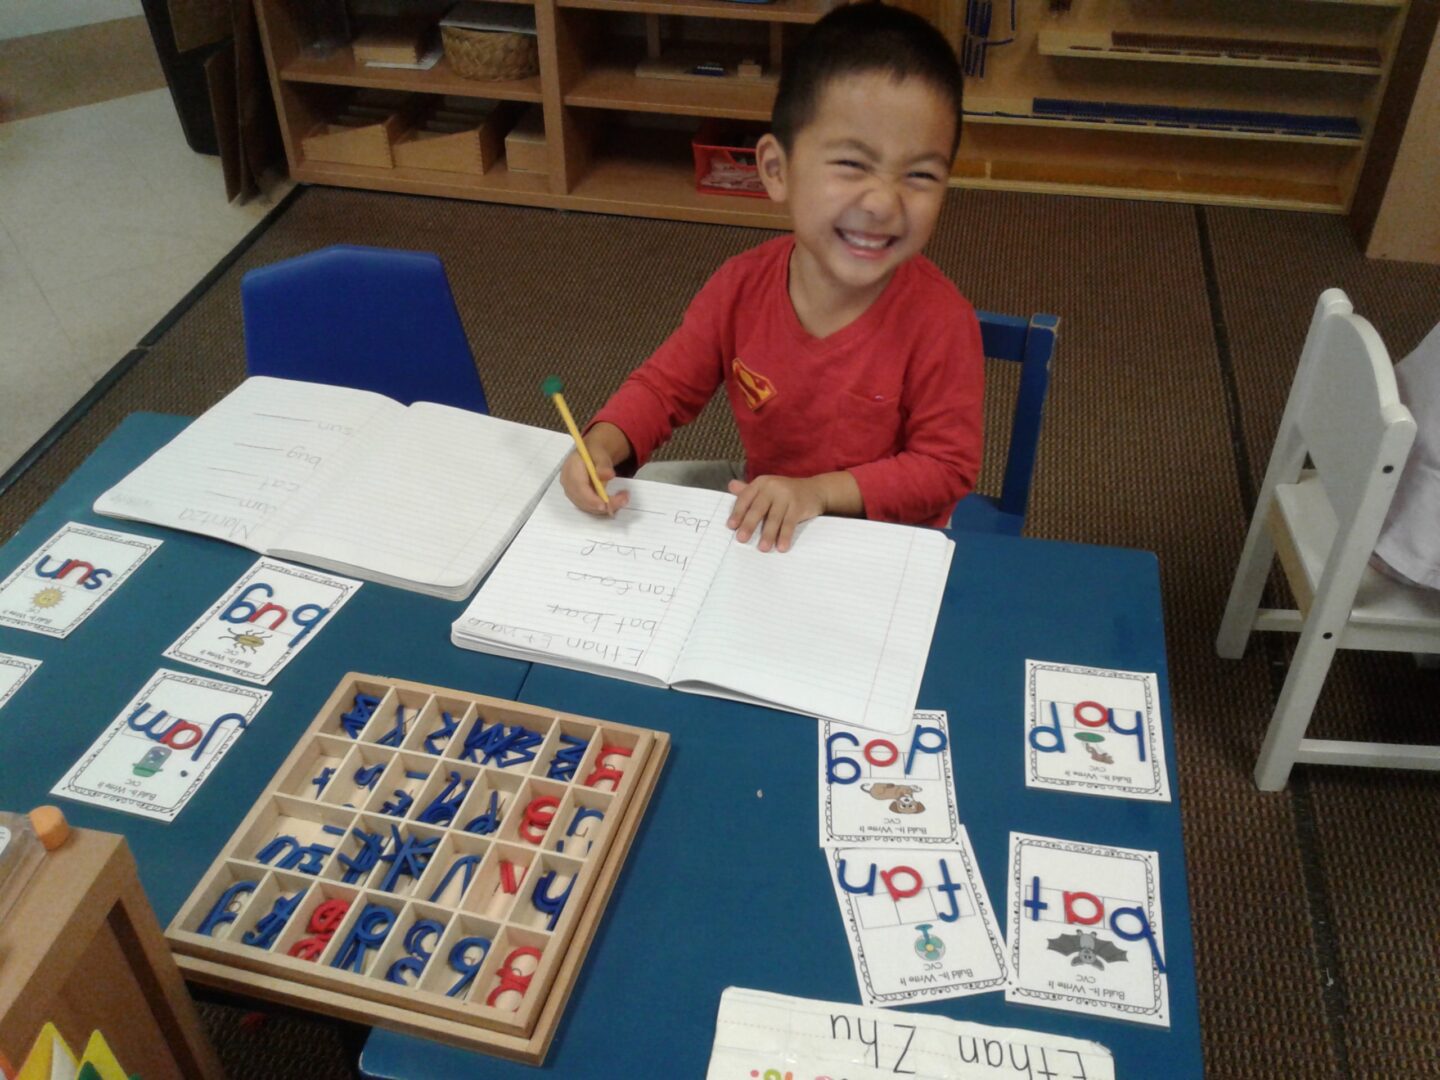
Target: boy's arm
(943, 402)
(678, 380)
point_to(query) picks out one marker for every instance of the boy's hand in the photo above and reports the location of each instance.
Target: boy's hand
(776, 504)
(606, 454)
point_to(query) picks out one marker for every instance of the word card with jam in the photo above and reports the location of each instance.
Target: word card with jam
(775, 1037)
(919, 922)
(887, 789)
(73, 573)
(1085, 929)
(1094, 731)
(263, 621)
(14, 670)
(164, 744)
(428, 860)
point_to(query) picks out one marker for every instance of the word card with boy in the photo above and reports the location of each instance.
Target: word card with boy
(155, 755)
(887, 789)
(1094, 731)
(919, 922)
(68, 577)
(14, 670)
(1085, 929)
(263, 621)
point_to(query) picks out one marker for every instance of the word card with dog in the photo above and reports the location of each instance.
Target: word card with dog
(887, 789)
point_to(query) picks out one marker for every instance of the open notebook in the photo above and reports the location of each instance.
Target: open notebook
(839, 626)
(422, 497)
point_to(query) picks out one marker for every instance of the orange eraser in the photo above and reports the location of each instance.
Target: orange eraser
(50, 826)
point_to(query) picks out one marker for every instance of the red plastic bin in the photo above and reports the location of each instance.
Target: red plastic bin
(725, 161)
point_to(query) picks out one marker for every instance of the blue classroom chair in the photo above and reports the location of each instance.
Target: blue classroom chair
(370, 318)
(1031, 344)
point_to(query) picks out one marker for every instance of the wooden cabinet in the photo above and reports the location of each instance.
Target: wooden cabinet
(1217, 101)
(81, 948)
(617, 142)
(1222, 101)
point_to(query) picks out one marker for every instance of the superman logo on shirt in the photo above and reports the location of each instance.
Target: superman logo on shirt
(756, 387)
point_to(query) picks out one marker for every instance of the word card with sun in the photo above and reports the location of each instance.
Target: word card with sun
(428, 860)
(919, 922)
(1094, 731)
(263, 621)
(14, 670)
(165, 743)
(887, 789)
(73, 573)
(1085, 929)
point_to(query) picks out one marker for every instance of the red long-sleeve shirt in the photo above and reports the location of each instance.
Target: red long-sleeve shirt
(895, 397)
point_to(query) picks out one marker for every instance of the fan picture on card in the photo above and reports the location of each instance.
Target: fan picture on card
(1094, 731)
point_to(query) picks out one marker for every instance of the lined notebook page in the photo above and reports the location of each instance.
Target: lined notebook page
(433, 500)
(839, 626)
(247, 466)
(617, 593)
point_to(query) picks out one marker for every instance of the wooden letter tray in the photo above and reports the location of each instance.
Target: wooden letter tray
(499, 827)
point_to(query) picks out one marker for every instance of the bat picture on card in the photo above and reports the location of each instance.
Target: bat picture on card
(919, 922)
(1094, 731)
(887, 789)
(1086, 933)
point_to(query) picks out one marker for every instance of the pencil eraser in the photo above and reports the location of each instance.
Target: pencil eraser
(50, 826)
(552, 385)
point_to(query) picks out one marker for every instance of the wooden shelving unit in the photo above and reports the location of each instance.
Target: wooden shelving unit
(616, 142)
(1217, 101)
(1221, 101)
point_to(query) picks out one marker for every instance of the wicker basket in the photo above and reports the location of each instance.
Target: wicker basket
(490, 54)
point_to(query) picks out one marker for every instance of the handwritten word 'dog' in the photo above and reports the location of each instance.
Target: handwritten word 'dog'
(90, 576)
(245, 610)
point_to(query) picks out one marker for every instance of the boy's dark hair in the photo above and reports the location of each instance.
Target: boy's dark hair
(857, 39)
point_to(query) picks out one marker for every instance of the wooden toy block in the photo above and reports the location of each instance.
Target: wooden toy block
(427, 860)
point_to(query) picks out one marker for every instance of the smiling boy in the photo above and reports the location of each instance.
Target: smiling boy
(852, 366)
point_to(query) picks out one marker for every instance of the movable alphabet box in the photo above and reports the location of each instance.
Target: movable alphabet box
(426, 860)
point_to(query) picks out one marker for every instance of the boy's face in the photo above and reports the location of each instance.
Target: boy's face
(865, 179)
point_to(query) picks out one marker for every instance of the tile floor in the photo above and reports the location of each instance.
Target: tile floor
(107, 219)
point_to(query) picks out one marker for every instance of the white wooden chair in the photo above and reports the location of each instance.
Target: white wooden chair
(1344, 413)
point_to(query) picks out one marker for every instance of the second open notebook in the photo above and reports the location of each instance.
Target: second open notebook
(839, 626)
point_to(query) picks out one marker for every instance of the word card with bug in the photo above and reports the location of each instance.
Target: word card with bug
(263, 621)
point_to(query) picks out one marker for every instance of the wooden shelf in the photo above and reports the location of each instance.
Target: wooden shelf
(783, 11)
(1020, 114)
(497, 185)
(340, 69)
(1210, 51)
(618, 87)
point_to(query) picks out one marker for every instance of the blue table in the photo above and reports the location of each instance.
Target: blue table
(726, 885)
(86, 679)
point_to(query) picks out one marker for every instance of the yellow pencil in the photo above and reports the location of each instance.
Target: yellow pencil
(552, 388)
